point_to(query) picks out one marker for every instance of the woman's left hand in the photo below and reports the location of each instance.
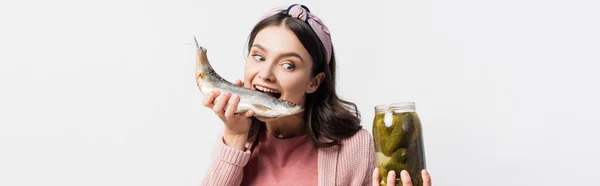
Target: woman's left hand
(406, 181)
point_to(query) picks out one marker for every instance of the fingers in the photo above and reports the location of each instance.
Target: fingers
(405, 178)
(232, 107)
(375, 177)
(426, 178)
(238, 83)
(220, 105)
(249, 113)
(391, 178)
(209, 99)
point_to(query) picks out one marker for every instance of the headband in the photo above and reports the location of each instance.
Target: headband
(301, 12)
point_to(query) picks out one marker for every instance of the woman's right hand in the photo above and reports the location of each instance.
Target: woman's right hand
(237, 126)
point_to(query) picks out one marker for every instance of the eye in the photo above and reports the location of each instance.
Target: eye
(258, 57)
(289, 66)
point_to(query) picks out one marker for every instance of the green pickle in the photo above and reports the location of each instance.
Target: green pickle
(396, 138)
(399, 146)
(400, 156)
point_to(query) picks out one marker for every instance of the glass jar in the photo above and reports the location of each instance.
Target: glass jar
(398, 138)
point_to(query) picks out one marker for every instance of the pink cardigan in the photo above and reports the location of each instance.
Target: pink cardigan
(351, 163)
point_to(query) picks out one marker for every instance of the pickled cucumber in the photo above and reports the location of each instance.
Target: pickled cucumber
(416, 127)
(400, 156)
(397, 167)
(396, 138)
(383, 133)
(376, 133)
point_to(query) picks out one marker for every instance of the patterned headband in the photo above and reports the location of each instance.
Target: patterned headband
(301, 12)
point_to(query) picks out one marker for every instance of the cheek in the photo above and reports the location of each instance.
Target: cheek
(295, 85)
(249, 74)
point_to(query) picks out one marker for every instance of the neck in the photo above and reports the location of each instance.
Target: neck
(287, 126)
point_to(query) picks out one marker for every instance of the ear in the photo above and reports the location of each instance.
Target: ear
(315, 82)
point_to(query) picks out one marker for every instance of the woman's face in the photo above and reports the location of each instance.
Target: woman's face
(279, 64)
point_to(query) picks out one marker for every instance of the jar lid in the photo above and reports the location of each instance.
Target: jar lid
(398, 107)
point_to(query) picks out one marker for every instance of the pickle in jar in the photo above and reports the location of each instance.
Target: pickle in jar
(399, 146)
(380, 132)
(397, 136)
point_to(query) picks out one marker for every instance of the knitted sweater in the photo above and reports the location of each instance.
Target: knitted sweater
(351, 163)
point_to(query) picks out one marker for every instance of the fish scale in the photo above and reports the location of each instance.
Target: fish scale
(261, 103)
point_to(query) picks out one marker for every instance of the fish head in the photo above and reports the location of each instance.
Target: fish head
(285, 108)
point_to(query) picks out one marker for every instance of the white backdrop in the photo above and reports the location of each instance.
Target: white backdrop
(102, 92)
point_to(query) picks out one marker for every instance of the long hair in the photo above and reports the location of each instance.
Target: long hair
(326, 114)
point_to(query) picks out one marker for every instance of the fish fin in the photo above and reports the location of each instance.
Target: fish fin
(261, 107)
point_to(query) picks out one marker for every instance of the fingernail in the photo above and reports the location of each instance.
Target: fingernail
(376, 170)
(404, 173)
(425, 172)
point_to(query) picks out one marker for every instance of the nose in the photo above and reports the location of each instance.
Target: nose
(266, 72)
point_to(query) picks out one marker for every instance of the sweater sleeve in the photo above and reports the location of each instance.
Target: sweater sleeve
(356, 160)
(371, 162)
(227, 166)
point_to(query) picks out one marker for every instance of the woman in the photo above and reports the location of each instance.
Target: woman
(290, 57)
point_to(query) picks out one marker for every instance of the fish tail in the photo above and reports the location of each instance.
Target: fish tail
(202, 62)
(202, 65)
(201, 57)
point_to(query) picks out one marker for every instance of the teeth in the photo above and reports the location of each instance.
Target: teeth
(265, 89)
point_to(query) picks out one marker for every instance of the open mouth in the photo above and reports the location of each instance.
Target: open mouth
(270, 92)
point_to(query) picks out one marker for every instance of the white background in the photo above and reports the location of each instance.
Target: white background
(102, 92)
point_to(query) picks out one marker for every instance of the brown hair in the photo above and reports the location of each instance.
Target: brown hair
(326, 114)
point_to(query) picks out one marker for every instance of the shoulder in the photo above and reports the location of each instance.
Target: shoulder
(361, 139)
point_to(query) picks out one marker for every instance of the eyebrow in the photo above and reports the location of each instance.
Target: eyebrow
(288, 54)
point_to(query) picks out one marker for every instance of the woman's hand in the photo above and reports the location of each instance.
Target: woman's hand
(406, 181)
(237, 126)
